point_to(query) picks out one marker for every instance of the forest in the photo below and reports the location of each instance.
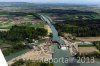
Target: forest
(80, 28)
(80, 23)
(71, 12)
(18, 34)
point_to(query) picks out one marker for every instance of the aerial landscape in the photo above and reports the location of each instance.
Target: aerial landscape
(50, 33)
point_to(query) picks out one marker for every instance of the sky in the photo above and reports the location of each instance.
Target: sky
(57, 1)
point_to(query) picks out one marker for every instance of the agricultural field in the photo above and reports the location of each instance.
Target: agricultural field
(88, 49)
(6, 22)
(5, 25)
(13, 27)
(89, 39)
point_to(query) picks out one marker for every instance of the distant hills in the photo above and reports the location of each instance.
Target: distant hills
(21, 4)
(41, 6)
(16, 4)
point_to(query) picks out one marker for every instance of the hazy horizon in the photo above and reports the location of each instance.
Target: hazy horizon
(57, 1)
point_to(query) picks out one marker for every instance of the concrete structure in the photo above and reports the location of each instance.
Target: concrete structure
(64, 48)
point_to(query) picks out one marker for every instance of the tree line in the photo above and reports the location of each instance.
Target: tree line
(80, 28)
(18, 34)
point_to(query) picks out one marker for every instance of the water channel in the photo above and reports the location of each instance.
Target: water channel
(58, 53)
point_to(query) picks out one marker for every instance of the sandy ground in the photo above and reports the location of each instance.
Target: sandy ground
(48, 28)
(87, 49)
(89, 39)
(34, 55)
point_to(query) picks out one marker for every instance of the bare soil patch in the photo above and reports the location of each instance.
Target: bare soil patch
(89, 39)
(88, 49)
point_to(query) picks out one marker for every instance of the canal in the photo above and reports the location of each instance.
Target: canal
(58, 53)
